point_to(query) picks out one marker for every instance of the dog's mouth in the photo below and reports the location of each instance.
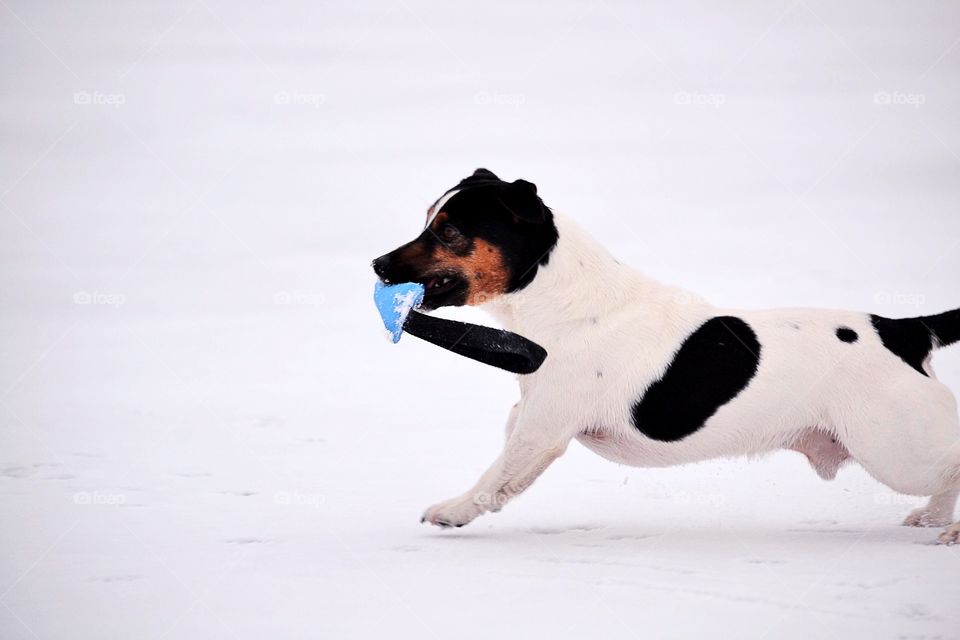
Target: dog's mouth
(438, 284)
(441, 289)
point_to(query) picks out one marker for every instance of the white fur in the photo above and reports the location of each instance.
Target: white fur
(593, 314)
(438, 207)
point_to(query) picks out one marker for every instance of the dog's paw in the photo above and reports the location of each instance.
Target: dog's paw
(950, 535)
(452, 513)
(923, 517)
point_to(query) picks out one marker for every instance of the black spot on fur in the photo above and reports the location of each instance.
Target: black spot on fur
(599, 374)
(712, 366)
(846, 334)
(906, 338)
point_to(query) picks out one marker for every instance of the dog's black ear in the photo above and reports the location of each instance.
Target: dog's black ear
(484, 174)
(521, 199)
(477, 178)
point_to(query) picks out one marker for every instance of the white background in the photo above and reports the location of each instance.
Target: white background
(203, 433)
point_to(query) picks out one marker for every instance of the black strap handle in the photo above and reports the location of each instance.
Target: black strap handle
(496, 347)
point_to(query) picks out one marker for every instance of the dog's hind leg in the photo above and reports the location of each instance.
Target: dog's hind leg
(906, 434)
(951, 535)
(937, 513)
(932, 470)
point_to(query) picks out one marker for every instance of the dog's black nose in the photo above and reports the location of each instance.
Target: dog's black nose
(380, 266)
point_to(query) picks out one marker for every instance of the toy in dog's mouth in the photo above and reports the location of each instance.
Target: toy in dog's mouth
(439, 288)
(397, 304)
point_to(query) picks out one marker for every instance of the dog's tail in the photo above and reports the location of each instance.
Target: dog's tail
(912, 339)
(944, 327)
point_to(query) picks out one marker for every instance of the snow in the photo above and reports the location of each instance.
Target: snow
(199, 434)
(405, 303)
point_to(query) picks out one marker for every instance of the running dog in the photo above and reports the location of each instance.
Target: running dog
(649, 375)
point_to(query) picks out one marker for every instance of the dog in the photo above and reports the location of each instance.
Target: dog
(649, 375)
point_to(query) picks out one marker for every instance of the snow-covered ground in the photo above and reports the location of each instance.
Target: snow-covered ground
(203, 433)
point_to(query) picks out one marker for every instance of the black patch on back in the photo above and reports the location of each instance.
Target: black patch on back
(712, 366)
(846, 334)
(907, 338)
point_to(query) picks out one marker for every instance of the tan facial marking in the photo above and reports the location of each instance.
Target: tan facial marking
(484, 268)
(439, 221)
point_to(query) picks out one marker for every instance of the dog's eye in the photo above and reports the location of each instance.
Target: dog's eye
(449, 232)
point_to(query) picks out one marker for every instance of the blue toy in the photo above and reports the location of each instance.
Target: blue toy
(496, 347)
(395, 302)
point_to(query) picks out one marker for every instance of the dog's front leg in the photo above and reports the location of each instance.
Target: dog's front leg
(526, 454)
(512, 420)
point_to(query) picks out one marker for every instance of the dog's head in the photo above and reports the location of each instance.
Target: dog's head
(483, 238)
